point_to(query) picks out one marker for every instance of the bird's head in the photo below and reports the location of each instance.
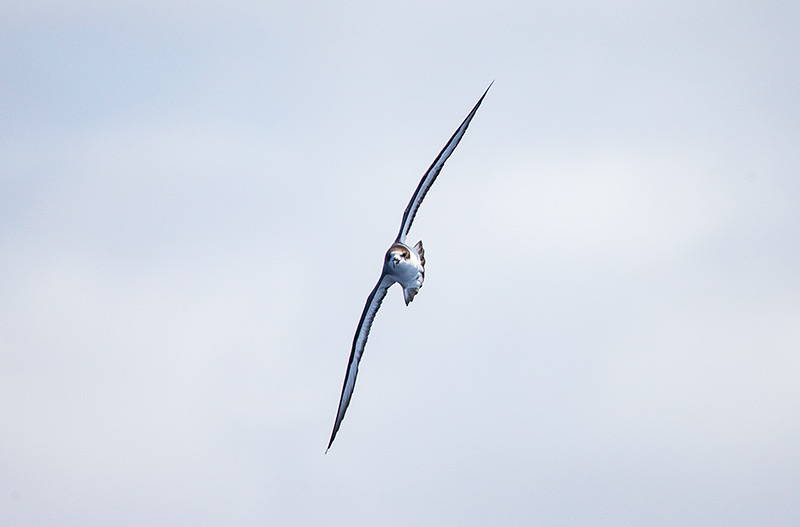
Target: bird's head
(397, 253)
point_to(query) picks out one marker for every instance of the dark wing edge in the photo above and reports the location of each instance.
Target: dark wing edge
(430, 176)
(359, 343)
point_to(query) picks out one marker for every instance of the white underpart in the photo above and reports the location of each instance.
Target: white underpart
(409, 274)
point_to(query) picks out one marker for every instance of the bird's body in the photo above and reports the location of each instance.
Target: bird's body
(406, 266)
(402, 264)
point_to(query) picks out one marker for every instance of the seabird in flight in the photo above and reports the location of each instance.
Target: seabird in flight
(402, 264)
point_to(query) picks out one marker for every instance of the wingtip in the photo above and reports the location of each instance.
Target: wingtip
(483, 96)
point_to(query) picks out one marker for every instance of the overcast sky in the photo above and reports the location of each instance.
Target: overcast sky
(195, 200)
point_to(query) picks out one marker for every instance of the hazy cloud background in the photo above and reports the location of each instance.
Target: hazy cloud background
(195, 199)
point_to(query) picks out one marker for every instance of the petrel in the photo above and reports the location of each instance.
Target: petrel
(402, 264)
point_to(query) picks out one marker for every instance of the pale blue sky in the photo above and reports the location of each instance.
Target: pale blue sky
(195, 200)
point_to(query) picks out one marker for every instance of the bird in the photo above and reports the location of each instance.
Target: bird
(402, 264)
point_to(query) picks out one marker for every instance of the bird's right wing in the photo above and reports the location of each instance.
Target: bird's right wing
(359, 342)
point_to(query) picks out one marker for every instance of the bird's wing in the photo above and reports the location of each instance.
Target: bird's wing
(359, 342)
(430, 176)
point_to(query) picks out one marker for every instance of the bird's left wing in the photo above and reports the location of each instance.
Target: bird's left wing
(359, 342)
(430, 176)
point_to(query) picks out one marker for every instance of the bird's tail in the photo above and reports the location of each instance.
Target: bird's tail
(410, 292)
(421, 253)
